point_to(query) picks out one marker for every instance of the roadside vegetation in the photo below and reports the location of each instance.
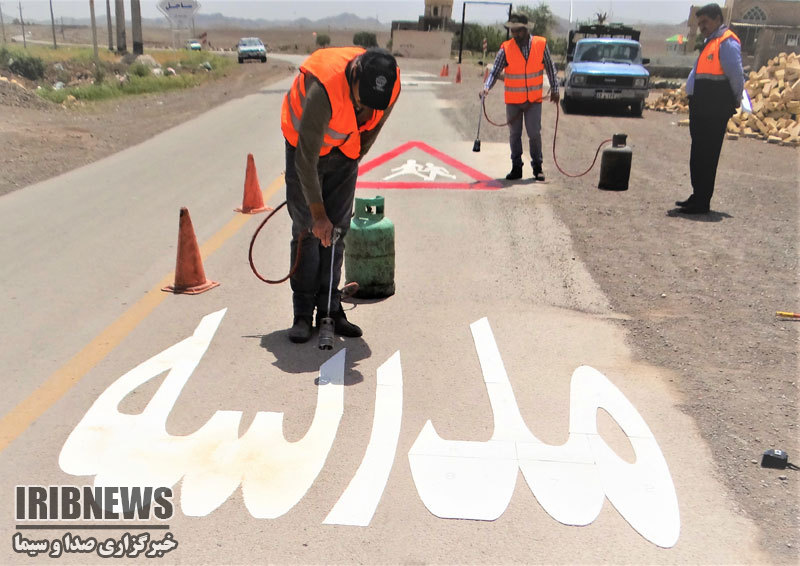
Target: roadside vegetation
(542, 21)
(68, 73)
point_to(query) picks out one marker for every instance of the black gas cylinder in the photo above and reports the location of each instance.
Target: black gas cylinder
(615, 166)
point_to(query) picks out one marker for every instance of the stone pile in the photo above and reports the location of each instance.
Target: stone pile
(775, 95)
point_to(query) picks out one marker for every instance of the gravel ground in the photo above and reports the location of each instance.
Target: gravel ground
(39, 139)
(700, 292)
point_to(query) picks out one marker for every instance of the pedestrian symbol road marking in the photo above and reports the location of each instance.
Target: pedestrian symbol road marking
(427, 172)
(426, 168)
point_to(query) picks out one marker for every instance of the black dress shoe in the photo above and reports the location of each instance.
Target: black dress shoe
(342, 326)
(516, 173)
(686, 202)
(538, 175)
(301, 329)
(694, 209)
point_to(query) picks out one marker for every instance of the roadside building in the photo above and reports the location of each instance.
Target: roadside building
(431, 36)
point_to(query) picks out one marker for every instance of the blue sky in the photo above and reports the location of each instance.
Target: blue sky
(670, 11)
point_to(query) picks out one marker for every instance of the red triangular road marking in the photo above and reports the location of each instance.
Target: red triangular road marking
(481, 183)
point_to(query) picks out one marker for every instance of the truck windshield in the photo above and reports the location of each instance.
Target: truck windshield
(607, 52)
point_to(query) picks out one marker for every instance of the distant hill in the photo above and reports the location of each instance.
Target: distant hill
(345, 21)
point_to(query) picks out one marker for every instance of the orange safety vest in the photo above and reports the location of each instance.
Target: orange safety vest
(708, 65)
(524, 78)
(343, 132)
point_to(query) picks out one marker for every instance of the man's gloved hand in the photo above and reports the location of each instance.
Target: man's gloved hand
(484, 91)
(554, 97)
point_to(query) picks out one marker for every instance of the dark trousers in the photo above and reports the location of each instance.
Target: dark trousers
(310, 283)
(707, 129)
(531, 113)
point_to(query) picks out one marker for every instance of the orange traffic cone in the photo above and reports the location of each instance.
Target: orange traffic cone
(190, 278)
(442, 72)
(253, 202)
(458, 74)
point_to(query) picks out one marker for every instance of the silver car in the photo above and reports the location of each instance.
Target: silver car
(251, 48)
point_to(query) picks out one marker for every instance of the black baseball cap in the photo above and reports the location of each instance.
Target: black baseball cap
(377, 78)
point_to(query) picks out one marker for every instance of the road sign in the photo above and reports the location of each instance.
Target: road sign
(179, 12)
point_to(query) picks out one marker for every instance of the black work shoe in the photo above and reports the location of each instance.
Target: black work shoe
(537, 173)
(686, 202)
(342, 326)
(516, 173)
(301, 329)
(694, 209)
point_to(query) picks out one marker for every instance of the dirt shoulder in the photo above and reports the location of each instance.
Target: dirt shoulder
(39, 139)
(700, 292)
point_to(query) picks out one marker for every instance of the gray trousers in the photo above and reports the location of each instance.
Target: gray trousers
(310, 283)
(531, 113)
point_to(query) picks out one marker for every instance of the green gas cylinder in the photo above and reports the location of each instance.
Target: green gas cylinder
(369, 250)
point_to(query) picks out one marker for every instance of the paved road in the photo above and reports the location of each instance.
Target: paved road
(403, 446)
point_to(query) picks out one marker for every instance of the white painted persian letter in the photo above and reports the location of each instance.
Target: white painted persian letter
(475, 480)
(136, 450)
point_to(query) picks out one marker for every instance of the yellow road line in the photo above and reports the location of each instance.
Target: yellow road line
(62, 380)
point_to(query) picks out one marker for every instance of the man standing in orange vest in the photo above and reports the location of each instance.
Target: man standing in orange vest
(525, 58)
(330, 118)
(714, 88)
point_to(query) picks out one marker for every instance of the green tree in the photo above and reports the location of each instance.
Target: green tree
(323, 40)
(540, 18)
(473, 38)
(365, 39)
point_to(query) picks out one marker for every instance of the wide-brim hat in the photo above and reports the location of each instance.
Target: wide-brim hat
(516, 21)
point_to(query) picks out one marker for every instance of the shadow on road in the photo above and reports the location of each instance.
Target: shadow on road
(305, 358)
(712, 216)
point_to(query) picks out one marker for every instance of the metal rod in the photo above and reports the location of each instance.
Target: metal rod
(94, 30)
(136, 27)
(53, 25)
(461, 39)
(2, 23)
(463, 17)
(110, 29)
(330, 286)
(22, 22)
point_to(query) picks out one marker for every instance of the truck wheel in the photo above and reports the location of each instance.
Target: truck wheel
(570, 106)
(637, 108)
(263, 59)
(241, 60)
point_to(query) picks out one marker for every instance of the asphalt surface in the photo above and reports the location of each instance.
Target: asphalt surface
(85, 255)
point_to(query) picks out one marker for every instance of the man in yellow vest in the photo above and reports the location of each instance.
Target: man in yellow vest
(714, 88)
(331, 115)
(525, 59)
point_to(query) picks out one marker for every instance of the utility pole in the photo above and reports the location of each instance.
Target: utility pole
(2, 23)
(22, 22)
(136, 27)
(94, 31)
(119, 11)
(110, 31)
(53, 25)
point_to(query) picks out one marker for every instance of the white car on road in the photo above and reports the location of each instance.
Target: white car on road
(251, 48)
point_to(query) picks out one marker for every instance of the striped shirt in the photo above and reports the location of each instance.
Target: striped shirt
(500, 63)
